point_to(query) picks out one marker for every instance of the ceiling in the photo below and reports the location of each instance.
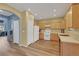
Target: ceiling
(43, 10)
(5, 13)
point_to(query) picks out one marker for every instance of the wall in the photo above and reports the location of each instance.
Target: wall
(25, 17)
(11, 19)
(23, 29)
(20, 15)
(7, 21)
(4, 19)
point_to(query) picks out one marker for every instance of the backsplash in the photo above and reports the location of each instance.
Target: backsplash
(53, 30)
(74, 33)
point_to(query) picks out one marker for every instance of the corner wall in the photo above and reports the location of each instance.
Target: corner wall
(15, 11)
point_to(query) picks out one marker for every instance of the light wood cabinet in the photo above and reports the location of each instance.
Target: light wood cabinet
(69, 49)
(54, 37)
(41, 35)
(41, 24)
(75, 15)
(54, 24)
(62, 24)
(68, 19)
(72, 17)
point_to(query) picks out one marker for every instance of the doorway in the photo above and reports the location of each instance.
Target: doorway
(9, 26)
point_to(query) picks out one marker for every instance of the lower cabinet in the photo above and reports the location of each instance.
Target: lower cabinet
(54, 37)
(69, 49)
(41, 35)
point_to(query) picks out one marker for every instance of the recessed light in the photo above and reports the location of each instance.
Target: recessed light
(54, 14)
(54, 10)
(29, 9)
(1, 10)
(36, 14)
(40, 17)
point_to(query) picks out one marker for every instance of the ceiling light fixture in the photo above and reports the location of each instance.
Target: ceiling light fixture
(29, 9)
(36, 14)
(1, 10)
(40, 17)
(54, 10)
(54, 14)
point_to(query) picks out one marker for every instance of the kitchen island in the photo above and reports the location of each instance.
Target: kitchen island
(69, 46)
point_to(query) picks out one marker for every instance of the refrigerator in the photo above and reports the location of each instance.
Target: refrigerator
(36, 33)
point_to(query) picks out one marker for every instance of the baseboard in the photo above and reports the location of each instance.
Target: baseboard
(23, 45)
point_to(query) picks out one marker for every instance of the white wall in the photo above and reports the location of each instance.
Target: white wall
(16, 31)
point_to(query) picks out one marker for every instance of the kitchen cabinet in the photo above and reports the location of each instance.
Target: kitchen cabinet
(69, 49)
(72, 17)
(53, 23)
(41, 35)
(75, 15)
(62, 24)
(68, 19)
(41, 24)
(54, 37)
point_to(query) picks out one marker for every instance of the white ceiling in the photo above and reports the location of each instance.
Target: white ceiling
(43, 10)
(5, 13)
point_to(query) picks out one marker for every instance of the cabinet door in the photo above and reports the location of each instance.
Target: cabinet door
(41, 35)
(75, 16)
(41, 24)
(62, 24)
(68, 20)
(36, 33)
(54, 37)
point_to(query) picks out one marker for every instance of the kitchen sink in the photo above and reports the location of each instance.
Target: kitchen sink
(64, 35)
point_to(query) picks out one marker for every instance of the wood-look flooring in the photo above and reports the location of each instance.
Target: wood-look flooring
(39, 48)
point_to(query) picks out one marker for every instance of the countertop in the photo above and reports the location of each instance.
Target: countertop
(68, 39)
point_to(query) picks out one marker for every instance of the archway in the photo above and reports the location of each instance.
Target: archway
(16, 14)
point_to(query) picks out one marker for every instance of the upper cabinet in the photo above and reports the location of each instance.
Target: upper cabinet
(41, 24)
(68, 18)
(72, 17)
(75, 15)
(57, 23)
(62, 24)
